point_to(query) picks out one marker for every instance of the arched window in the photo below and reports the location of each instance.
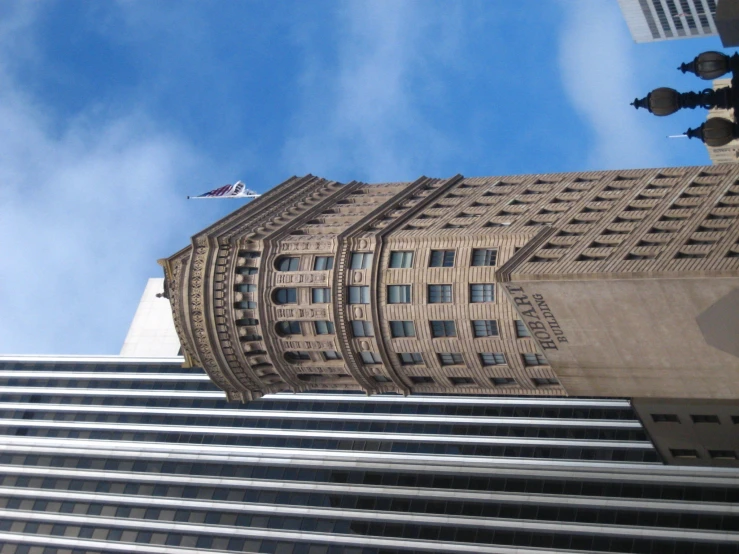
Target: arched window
(287, 263)
(285, 296)
(286, 328)
(297, 356)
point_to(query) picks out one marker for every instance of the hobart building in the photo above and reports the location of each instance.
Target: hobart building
(609, 283)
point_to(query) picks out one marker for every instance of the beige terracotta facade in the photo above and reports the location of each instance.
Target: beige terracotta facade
(396, 287)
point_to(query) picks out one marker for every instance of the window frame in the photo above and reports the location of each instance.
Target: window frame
(494, 356)
(329, 325)
(363, 292)
(482, 328)
(288, 291)
(361, 260)
(331, 355)
(291, 324)
(540, 359)
(374, 359)
(522, 332)
(444, 293)
(402, 324)
(365, 328)
(289, 260)
(410, 358)
(400, 259)
(404, 294)
(326, 261)
(443, 328)
(489, 257)
(322, 293)
(450, 358)
(479, 293)
(442, 258)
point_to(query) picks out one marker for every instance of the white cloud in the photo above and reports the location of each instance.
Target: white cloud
(361, 119)
(598, 64)
(84, 214)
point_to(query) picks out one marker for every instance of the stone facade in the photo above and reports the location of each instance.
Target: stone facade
(394, 287)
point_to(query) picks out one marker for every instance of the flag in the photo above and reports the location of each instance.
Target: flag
(237, 190)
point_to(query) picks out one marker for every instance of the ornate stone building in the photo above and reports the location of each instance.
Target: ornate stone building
(394, 287)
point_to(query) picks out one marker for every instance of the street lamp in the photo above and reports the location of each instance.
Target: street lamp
(717, 131)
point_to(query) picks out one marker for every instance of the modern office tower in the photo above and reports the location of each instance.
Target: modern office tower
(111, 454)
(396, 287)
(652, 20)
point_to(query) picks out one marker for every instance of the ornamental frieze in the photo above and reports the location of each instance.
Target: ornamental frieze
(301, 313)
(309, 344)
(304, 245)
(308, 278)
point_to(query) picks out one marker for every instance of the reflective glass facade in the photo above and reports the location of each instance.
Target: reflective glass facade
(120, 455)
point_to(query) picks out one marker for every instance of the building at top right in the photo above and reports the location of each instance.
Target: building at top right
(653, 20)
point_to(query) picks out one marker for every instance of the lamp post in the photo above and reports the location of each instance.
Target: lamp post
(717, 131)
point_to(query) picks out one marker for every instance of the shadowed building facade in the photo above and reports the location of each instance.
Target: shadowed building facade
(396, 287)
(112, 454)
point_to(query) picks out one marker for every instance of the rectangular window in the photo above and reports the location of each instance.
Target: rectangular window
(288, 264)
(521, 330)
(361, 260)
(439, 294)
(665, 418)
(484, 256)
(401, 260)
(381, 379)
(684, 453)
(399, 294)
(533, 359)
(441, 258)
(331, 355)
(321, 296)
(362, 329)
(371, 358)
(359, 295)
(482, 292)
(502, 381)
(722, 454)
(492, 358)
(288, 328)
(421, 379)
(485, 327)
(323, 263)
(451, 359)
(544, 381)
(701, 418)
(410, 358)
(461, 381)
(402, 329)
(443, 329)
(285, 296)
(324, 327)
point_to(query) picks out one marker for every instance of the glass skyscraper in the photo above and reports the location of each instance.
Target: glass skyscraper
(111, 454)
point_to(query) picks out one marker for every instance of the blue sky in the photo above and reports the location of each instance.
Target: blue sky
(112, 112)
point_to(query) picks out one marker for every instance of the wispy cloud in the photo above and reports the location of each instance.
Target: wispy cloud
(364, 118)
(84, 213)
(598, 64)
